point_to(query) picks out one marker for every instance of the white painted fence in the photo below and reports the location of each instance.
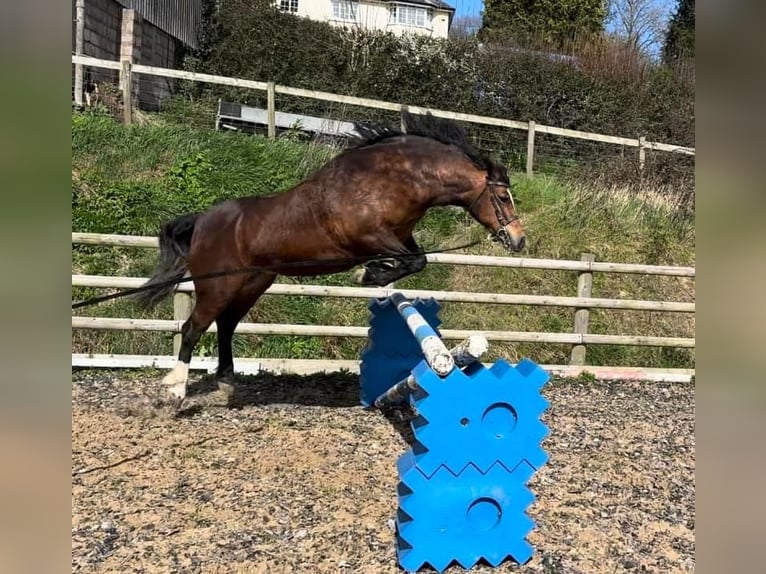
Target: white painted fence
(579, 339)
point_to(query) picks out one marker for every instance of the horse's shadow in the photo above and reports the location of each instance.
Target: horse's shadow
(331, 390)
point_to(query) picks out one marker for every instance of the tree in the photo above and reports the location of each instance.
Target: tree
(639, 23)
(465, 27)
(679, 42)
(556, 22)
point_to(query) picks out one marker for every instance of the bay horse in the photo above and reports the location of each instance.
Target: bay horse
(365, 201)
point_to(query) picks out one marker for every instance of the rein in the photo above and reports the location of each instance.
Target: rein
(267, 269)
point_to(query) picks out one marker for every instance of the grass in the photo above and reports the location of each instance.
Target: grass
(129, 180)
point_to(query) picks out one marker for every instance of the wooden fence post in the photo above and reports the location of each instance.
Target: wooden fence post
(641, 153)
(78, 50)
(530, 148)
(404, 110)
(126, 81)
(271, 109)
(582, 315)
(182, 309)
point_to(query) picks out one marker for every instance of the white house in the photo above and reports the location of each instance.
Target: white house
(430, 17)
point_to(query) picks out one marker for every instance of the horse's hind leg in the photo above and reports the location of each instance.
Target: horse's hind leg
(210, 302)
(227, 322)
(191, 332)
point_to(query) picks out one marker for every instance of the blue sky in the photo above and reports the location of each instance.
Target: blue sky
(467, 7)
(474, 8)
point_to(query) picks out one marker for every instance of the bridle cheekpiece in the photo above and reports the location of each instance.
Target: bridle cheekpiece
(501, 234)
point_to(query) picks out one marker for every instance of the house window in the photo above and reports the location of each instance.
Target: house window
(344, 9)
(288, 5)
(410, 16)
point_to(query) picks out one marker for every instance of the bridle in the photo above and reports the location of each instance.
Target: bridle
(501, 234)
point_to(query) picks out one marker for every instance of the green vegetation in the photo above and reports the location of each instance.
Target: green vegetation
(679, 41)
(558, 22)
(594, 87)
(546, 61)
(130, 179)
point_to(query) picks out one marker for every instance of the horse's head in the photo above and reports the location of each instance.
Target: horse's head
(436, 154)
(491, 203)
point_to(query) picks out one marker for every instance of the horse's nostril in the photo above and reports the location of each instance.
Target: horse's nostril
(522, 242)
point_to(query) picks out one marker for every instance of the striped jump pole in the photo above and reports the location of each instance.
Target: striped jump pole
(434, 350)
(464, 354)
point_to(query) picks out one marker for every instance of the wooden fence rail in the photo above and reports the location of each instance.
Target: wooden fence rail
(446, 296)
(447, 258)
(579, 339)
(126, 69)
(174, 326)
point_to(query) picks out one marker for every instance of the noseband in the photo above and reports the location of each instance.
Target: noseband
(501, 234)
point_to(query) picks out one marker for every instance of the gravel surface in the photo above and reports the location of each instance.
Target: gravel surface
(297, 477)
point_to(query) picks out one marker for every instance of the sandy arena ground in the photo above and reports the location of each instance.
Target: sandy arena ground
(299, 478)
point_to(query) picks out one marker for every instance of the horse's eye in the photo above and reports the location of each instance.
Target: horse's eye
(505, 198)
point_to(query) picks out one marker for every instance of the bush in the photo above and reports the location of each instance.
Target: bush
(597, 86)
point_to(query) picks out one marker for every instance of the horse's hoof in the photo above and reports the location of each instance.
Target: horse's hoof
(360, 276)
(227, 388)
(169, 401)
(175, 385)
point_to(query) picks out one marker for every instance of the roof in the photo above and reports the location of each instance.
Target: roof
(179, 18)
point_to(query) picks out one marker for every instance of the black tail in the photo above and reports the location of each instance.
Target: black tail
(175, 239)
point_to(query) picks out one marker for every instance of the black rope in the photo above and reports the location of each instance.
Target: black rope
(265, 268)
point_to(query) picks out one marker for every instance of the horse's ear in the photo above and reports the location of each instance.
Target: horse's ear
(493, 170)
(498, 172)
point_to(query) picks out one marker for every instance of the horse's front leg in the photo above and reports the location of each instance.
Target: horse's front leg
(381, 273)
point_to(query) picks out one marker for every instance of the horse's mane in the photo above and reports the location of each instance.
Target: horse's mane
(429, 126)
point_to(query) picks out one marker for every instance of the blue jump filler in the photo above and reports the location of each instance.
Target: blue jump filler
(462, 491)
